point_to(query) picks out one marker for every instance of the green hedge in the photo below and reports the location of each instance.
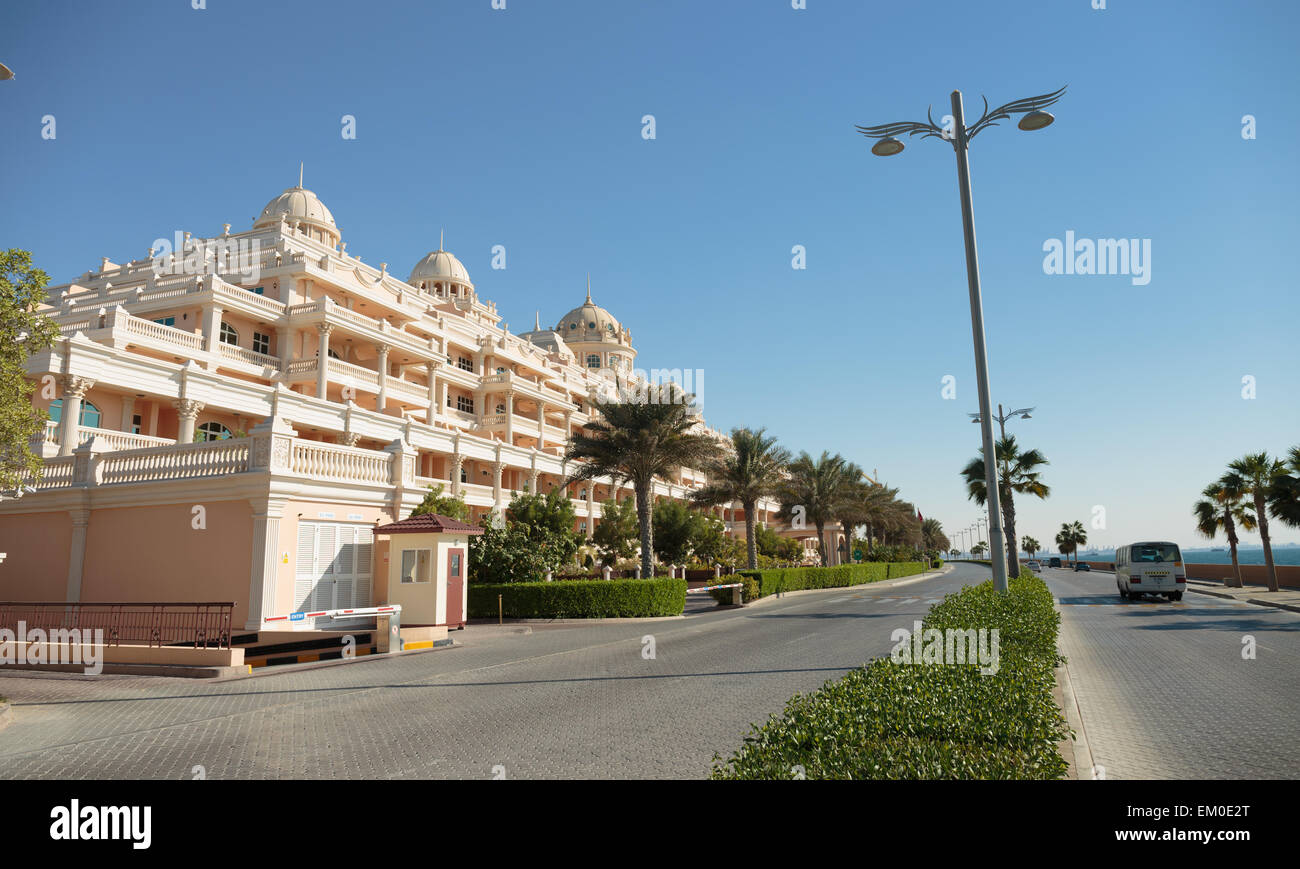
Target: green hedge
(799, 578)
(892, 720)
(580, 599)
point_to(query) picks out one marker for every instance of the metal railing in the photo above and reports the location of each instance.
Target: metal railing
(133, 623)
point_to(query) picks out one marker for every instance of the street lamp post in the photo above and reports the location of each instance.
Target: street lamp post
(1002, 418)
(1033, 118)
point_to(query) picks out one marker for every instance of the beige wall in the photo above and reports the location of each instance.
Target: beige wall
(154, 554)
(36, 562)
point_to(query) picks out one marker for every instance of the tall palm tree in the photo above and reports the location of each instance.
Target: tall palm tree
(1017, 472)
(932, 536)
(752, 469)
(1070, 538)
(875, 506)
(1030, 545)
(651, 435)
(817, 489)
(1223, 509)
(1259, 474)
(1284, 503)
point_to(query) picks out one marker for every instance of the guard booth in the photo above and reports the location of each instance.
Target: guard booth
(422, 564)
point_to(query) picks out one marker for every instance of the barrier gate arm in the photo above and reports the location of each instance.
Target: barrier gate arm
(393, 611)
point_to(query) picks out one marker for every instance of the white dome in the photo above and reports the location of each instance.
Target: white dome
(296, 203)
(438, 266)
(590, 322)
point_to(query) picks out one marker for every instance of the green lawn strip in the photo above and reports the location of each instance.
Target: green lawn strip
(906, 721)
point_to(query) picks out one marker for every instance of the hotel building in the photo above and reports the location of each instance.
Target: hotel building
(227, 430)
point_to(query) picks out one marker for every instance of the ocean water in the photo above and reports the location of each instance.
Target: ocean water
(1254, 555)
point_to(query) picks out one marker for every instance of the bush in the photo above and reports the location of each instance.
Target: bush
(800, 578)
(901, 721)
(748, 591)
(580, 599)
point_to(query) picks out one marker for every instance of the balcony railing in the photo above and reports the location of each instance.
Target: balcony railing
(335, 462)
(175, 462)
(242, 354)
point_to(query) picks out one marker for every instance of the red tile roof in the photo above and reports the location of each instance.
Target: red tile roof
(429, 523)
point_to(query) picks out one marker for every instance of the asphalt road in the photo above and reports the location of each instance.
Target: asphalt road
(1164, 689)
(562, 701)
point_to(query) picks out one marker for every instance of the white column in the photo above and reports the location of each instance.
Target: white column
(497, 493)
(128, 412)
(457, 465)
(510, 417)
(188, 411)
(74, 390)
(591, 507)
(381, 400)
(211, 331)
(323, 360)
(430, 369)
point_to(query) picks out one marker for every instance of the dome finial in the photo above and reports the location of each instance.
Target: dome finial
(299, 174)
(588, 288)
(441, 234)
(537, 321)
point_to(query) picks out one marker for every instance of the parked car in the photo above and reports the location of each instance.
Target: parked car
(1035, 565)
(1082, 565)
(1054, 562)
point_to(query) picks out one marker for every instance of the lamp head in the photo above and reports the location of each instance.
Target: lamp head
(887, 147)
(1036, 120)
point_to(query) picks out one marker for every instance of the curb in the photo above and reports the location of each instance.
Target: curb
(1290, 607)
(6, 714)
(1079, 754)
(887, 583)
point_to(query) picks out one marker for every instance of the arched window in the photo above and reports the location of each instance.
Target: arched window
(214, 431)
(229, 335)
(90, 415)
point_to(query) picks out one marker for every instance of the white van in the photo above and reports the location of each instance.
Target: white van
(1153, 567)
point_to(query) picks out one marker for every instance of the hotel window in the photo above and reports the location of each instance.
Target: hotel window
(261, 343)
(90, 415)
(261, 291)
(415, 565)
(593, 360)
(616, 362)
(137, 423)
(166, 321)
(213, 431)
(464, 404)
(464, 364)
(229, 335)
(464, 475)
(501, 408)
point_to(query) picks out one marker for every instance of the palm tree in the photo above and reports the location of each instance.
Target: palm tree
(1030, 545)
(1259, 475)
(978, 549)
(953, 553)
(752, 469)
(636, 440)
(817, 490)
(932, 536)
(1284, 503)
(1017, 472)
(1222, 509)
(1070, 538)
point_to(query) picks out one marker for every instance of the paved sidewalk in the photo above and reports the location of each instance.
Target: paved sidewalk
(1286, 598)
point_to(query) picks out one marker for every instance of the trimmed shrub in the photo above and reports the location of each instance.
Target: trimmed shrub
(748, 591)
(579, 599)
(801, 578)
(892, 720)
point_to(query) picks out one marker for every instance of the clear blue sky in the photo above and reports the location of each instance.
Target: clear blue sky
(523, 128)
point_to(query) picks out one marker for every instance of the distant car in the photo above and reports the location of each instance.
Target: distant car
(1082, 565)
(1054, 562)
(1035, 565)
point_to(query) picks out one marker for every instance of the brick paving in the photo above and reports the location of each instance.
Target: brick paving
(1164, 691)
(560, 701)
